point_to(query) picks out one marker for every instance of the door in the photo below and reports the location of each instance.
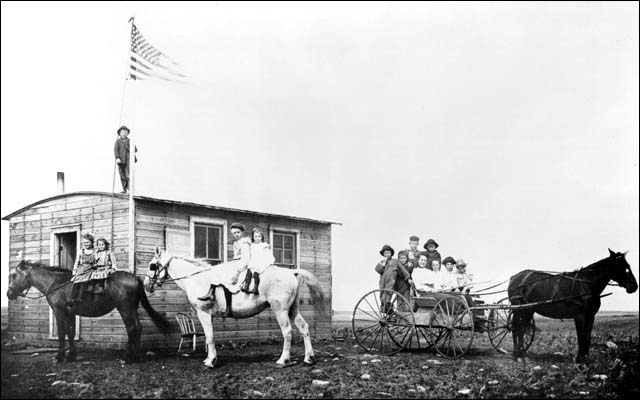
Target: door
(64, 248)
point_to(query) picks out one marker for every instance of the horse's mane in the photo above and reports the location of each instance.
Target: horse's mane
(46, 267)
(589, 268)
(197, 262)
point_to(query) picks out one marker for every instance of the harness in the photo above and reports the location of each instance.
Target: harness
(165, 267)
(48, 292)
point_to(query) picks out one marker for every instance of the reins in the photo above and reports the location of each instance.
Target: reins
(166, 266)
(24, 292)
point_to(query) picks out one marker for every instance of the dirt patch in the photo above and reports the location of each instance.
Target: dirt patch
(343, 370)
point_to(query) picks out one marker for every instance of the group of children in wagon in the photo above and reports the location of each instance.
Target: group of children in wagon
(422, 270)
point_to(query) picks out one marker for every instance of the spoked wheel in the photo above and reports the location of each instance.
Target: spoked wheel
(452, 317)
(501, 329)
(423, 338)
(382, 322)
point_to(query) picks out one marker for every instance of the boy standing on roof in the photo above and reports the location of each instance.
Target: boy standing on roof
(121, 152)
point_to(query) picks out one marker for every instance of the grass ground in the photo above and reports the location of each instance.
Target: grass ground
(248, 370)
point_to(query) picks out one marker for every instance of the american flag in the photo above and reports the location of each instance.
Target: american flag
(148, 62)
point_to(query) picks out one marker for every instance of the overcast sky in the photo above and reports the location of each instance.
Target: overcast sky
(507, 132)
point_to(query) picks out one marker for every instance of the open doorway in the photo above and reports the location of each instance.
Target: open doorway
(64, 248)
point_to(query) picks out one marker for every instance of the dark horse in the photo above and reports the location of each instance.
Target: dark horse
(123, 291)
(566, 295)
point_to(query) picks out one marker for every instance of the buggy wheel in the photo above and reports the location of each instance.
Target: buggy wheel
(500, 330)
(453, 319)
(382, 322)
(423, 338)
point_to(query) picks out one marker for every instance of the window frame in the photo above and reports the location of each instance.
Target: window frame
(287, 231)
(208, 221)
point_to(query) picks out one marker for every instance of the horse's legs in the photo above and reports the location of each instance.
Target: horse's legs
(134, 328)
(61, 325)
(207, 326)
(584, 324)
(70, 321)
(588, 328)
(285, 326)
(521, 320)
(303, 328)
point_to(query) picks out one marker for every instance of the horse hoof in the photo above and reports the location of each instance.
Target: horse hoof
(310, 361)
(286, 364)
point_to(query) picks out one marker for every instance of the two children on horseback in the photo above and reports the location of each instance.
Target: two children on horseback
(92, 267)
(252, 256)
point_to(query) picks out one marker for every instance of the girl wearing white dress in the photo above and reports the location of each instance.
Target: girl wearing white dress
(423, 277)
(261, 258)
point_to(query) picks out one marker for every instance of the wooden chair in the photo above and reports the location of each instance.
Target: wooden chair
(187, 330)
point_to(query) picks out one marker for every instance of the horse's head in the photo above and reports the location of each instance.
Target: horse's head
(157, 272)
(621, 271)
(19, 281)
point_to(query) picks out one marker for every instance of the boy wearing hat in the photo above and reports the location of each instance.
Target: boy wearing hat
(464, 279)
(121, 152)
(413, 251)
(227, 274)
(431, 252)
(388, 270)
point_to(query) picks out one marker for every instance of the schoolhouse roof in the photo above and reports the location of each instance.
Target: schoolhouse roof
(163, 201)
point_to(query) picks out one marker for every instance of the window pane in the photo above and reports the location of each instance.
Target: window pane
(277, 240)
(288, 242)
(288, 257)
(200, 248)
(213, 242)
(277, 254)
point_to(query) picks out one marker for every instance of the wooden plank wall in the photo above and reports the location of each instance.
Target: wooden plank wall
(30, 233)
(315, 255)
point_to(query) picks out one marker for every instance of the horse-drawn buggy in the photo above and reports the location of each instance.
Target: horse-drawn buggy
(385, 322)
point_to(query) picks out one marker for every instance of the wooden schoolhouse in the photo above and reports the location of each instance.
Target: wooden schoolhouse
(49, 231)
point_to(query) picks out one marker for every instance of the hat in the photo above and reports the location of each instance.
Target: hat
(449, 260)
(430, 241)
(121, 128)
(460, 263)
(237, 225)
(403, 253)
(414, 238)
(385, 248)
(88, 236)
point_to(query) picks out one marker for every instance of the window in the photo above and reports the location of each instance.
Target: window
(208, 242)
(285, 249)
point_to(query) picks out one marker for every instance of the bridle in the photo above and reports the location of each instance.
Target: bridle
(163, 269)
(158, 271)
(24, 292)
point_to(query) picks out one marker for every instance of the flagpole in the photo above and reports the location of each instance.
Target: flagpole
(132, 163)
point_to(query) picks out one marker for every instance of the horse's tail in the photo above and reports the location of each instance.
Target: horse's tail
(160, 321)
(317, 294)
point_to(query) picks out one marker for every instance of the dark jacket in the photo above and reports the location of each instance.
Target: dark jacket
(388, 273)
(121, 150)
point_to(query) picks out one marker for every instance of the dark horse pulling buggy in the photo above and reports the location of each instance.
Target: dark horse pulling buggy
(447, 321)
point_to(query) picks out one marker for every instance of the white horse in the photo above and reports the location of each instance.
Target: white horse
(279, 289)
